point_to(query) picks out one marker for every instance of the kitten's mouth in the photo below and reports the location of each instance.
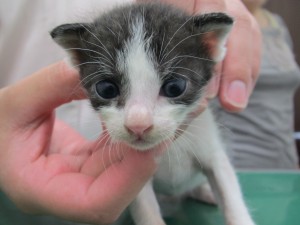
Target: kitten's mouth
(140, 141)
(146, 142)
(142, 144)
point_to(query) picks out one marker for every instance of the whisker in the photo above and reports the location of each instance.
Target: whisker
(186, 56)
(120, 151)
(103, 56)
(103, 46)
(187, 69)
(193, 35)
(107, 27)
(173, 37)
(167, 138)
(192, 147)
(161, 47)
(189, 78)
(84, 80)
(105, 146)
(83, 49)
(78, 65)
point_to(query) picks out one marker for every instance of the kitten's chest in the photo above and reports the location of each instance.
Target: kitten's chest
(178, 171)
(180, 168)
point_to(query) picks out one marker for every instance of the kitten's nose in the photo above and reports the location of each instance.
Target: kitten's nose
(139, 121)
(139, 130)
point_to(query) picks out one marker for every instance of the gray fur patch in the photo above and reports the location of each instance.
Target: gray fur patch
(177, 42)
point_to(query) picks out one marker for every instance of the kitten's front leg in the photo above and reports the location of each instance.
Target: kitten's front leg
(203, 193)
(225, 185)
(145, 209)
(214, 162)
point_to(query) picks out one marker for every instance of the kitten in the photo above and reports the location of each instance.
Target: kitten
(145, 68)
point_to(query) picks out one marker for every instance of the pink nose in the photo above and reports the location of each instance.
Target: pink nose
(139, 130)
(138, 120)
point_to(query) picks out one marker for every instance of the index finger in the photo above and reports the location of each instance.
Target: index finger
(42, 92)
(241, 65)
(242, 61)
(187, 5)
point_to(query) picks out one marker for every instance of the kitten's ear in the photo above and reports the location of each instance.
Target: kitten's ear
(215, 28)
(69, 36)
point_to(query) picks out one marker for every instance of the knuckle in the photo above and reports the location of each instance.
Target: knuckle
(238, 71)
(107, 219)
(103, 215)
(210, 6)
(241, 14)
(244, 19)
(218, 5)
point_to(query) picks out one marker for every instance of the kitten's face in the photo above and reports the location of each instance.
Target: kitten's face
(145, 67)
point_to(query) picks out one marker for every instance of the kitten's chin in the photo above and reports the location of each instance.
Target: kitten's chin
(141, 145)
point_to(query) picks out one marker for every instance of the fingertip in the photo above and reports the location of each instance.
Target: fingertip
(237, 82)
(69, 76)
(234, 96)
(43, 91)
(145, 160)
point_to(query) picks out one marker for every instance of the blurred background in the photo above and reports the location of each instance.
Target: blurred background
(289, 11)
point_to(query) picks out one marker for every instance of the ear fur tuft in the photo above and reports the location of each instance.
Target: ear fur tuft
(68, 36)
(215, 28)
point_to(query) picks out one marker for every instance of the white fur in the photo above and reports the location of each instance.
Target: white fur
(144, 107)
(201, 144)
(221, 47)
(137, 63)
(196, 156)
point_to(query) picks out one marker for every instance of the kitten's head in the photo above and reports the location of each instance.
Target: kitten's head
(145, 67)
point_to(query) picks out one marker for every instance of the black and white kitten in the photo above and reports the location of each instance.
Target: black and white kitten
(145, 68)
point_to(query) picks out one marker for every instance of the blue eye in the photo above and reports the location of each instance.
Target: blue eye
(107, 89)
(173, 88)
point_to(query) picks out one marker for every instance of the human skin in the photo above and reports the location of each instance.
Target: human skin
(257, 10)
(236, 76)
(47, 167)
(253, 5)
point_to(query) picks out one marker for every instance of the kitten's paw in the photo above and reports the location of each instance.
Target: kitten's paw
(203, 193)
(159, 222)
(242, 223)
(240, 220)
(149, 219)
(153, 222)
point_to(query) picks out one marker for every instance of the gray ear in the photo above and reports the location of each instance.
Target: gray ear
(69, 36)
(215, 28)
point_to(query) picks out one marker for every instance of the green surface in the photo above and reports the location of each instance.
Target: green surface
(272, 197)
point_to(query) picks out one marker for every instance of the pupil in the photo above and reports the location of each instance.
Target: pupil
(107, 89)
(173, 88)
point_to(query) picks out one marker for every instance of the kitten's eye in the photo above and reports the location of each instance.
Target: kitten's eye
(173, 88)
(107, 89)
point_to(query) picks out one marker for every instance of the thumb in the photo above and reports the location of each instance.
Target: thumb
(115, 188)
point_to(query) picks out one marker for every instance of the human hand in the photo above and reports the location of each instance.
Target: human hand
(46, 167)
(236, 76)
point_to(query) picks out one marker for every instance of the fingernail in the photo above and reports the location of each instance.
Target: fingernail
(237, 94)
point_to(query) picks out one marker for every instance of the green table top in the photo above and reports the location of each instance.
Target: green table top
(272, 197)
